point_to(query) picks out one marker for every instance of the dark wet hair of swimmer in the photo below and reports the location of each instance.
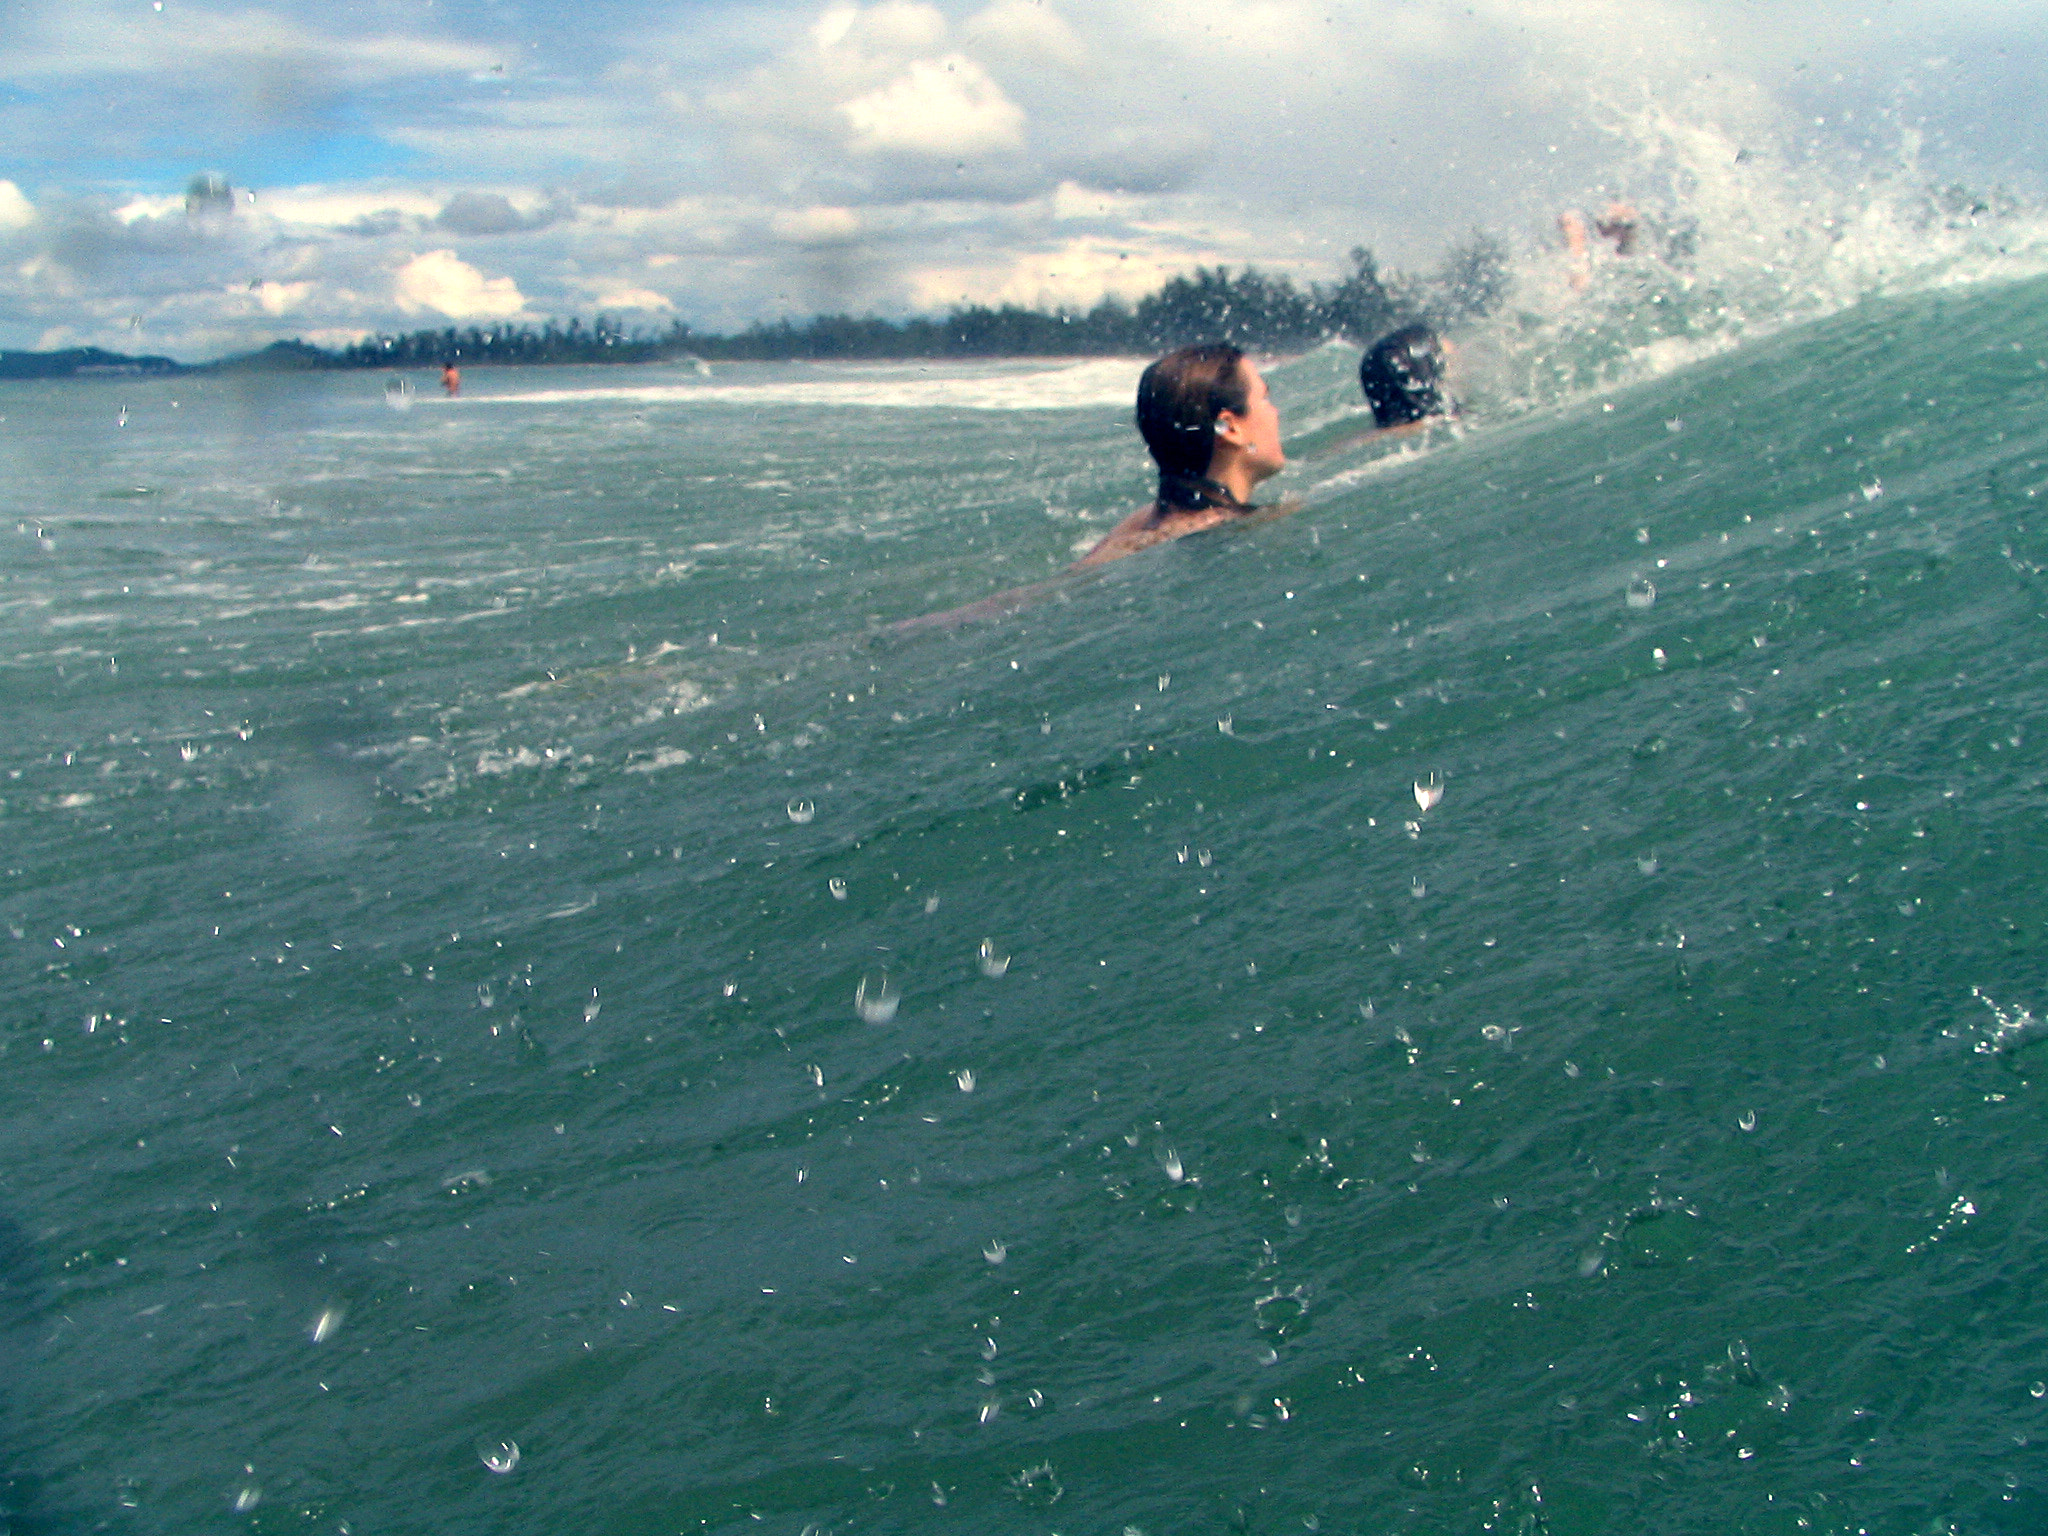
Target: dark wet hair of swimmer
(1403, 377)
(1179, 398)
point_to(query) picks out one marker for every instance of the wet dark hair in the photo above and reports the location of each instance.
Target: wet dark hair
(1179, 399)
(1402, 376)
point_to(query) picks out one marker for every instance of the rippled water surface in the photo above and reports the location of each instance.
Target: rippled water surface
(1505, 1001)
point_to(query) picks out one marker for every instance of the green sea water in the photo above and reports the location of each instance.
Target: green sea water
(1504, 1001)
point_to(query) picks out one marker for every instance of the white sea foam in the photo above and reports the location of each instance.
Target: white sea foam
(1090, 384)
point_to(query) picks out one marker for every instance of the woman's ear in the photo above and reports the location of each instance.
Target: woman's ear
(1229, 429)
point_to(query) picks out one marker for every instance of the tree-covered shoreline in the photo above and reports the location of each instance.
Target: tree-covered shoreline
(1247, 307)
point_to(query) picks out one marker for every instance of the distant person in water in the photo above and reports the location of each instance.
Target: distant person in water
(1619, 226)
(1403, 375)
(451, 380)
(1406, 379)
(1214, 432)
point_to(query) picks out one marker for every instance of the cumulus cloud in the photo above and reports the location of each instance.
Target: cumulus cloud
(1028, 34)
(944, 106)
(16, 211)
(442, 283)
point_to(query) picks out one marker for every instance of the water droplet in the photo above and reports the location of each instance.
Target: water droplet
(837, 887)
(801, 811)
(328, 1323)
(1205, 858)
(875, 1000)
(1169, 1160)
(1493, 1032)
(1591, 1262)
(1571, 1069)
(2039, 1389)
(817, 1074)
(122, 419)
(247, 1497)
(1748, 1120)
(1642, 535)
(1034, 1398)
(938, 1496)
(1164, 679)
(592, 1008)
(1641, 594)
(1417, 889)
(187, 752)
(1874, 490)
(1183, 854)
(1293, 1215)
(995, 1252)
(992, 962)
(1647, 863)
(500, 1456)
(931, 905)
(1428, 792)
(1226, 725)
(485, 997)
(965, 1078)
(988, 1349)
(989, 1410)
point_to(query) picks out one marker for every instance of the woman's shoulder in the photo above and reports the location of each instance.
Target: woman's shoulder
(1134, 533)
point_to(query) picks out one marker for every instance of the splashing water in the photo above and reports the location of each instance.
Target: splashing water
(991, 961)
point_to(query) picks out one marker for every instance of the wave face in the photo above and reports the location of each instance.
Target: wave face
(1503, 1001)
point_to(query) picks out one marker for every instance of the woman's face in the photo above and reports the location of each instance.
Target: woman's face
(1256, 433)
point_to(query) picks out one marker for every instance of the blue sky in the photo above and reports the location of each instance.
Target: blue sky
(439, 161)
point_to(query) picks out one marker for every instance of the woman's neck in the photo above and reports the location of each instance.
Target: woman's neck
(1231, 472)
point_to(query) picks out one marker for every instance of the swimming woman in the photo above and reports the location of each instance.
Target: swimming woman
(1215, 434)
(1214, 431)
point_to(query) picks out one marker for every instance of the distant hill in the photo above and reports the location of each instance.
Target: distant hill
(278, 357)
(73, 361)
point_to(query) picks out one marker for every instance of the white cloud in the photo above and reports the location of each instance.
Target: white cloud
(1077, 275)
(891, 30)
(611, 294)
(1027, 33)
(442, 282)
(945, 106)
(816, 226)
(97, 40)
(16, 211)
(281, 298)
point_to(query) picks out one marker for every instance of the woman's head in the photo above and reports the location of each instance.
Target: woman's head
(1403, 377)
(1200, 411)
